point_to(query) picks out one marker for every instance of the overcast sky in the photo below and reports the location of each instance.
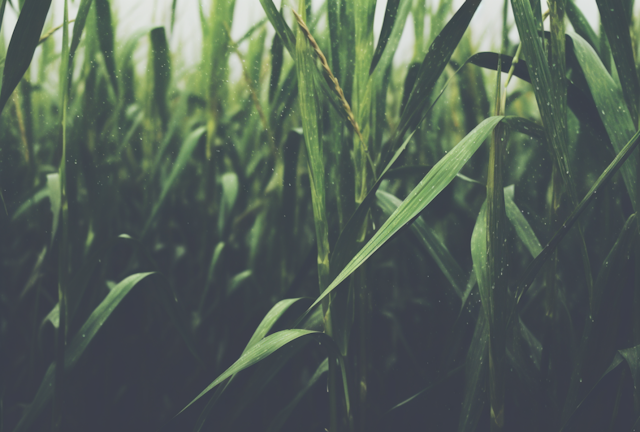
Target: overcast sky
(136, 14)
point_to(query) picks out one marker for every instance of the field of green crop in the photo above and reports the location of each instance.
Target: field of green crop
(324, 238)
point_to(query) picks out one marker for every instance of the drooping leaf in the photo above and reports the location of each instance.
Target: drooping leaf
(77, 346)
(268, 346)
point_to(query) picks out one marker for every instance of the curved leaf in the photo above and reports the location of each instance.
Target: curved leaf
(78, 344)
(430, 186)
(268, 346)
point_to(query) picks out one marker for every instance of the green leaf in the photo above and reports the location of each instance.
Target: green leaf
(477, 374)
(279, 24)
(430, 241)
(632, 357)
(390, 15)
(3, 5)
(434, 63)
(55, 197)
(428, 388)
(270, 319)
(432, 184)
(305, 65)
(608, 98)
(267, 347)
(581, 104)
(161, 72)
(230, 186)
(550, 91)
(24, 40)
(78, 28)
(534, 267)
(106, 39)
(581, 25)
(77, 346)
(614, 20)
(277, 60)
(523, 229)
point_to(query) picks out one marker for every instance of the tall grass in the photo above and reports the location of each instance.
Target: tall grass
(329, 239)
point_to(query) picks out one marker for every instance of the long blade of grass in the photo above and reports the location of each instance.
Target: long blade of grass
(105, 35)
(477, 374)
(265, 326)
(608, 98)
(3, 6)
(550, 91)
(24, 40)
(161, 72)
(78, 27)
(280, 25)
(614, 18)
(430, 241)
(534, 267)
(267, 347)
(432, 184)
(581, 25)
(428, 388)
(432, 66)
(305, 63)
(390, 15)
(496, 257)
(64, 244)
(77, 346)
(581, 104)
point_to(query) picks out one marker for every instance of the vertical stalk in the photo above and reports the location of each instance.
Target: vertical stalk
(362, 98)
(550, 299)
(308, 101)
(63, 241)
(496, 260)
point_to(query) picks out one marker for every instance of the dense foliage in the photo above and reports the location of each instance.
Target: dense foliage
(327, 239)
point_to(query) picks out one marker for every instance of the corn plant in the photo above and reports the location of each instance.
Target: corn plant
(323, 238)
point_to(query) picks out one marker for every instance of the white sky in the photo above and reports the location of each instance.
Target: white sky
(133, 15)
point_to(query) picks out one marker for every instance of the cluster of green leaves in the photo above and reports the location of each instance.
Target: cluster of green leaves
(175, 240)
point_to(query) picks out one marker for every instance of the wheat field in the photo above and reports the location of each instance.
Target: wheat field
(328, 239)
